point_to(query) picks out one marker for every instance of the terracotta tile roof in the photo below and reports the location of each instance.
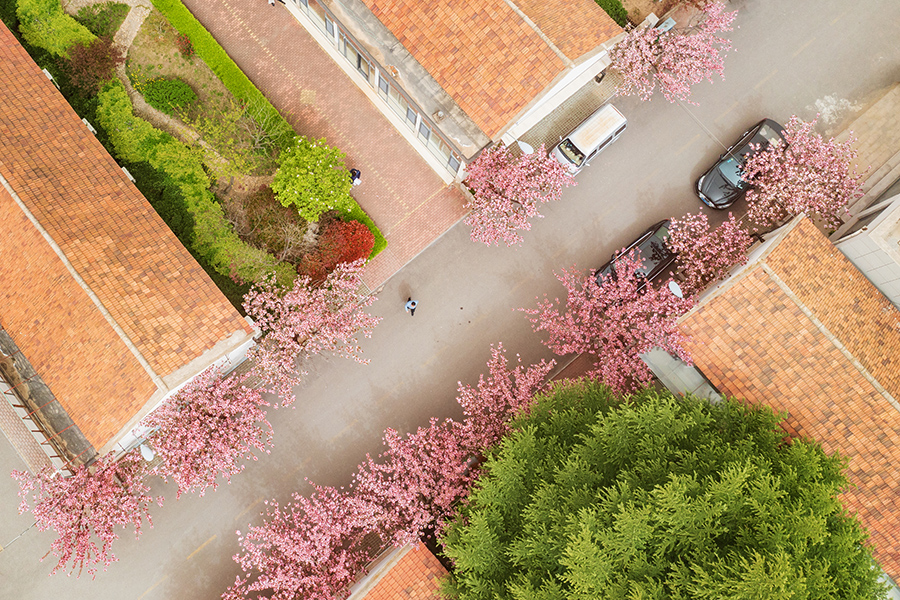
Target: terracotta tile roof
(485, 55)
(575, 27)
(151, 286)
(416, 577)
(754, 341)
(72, 347)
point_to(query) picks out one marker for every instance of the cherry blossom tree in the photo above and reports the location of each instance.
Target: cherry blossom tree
(420, 478)
(315, 546)
(507, 190)
(498, 398)
(805, 174)
(312, 547)
(88, 505)
(673, 60)
(615, 322)
(307, 320)
(707, 255)
(206, 428)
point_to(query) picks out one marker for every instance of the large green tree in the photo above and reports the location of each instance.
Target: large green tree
(311, 177)
(657, 497)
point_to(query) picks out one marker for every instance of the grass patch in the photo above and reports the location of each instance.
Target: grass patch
(103, 20)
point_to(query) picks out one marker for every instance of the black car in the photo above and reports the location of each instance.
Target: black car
(656, 258)
(722, 185)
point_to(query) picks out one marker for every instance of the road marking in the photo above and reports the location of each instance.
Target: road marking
(650, 175)
(803, 47)
(153, 587)
(764, 79)
(690, 142)
(202, 546)
(249, 508)
(349, 426)
(722, 116)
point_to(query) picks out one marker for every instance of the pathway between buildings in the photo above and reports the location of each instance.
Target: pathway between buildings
(408, 201)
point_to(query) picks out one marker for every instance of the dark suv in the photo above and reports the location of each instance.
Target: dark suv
(656, 258)
(722, 185)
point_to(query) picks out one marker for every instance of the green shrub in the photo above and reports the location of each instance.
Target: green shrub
(312, 178)
(8, 15)
(615, 10)
(103, 20)
(181, 168)
(44, 24)
(243, 89)
(221, 64)
(167, 94)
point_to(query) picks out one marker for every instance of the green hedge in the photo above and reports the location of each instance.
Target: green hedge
(615, 10)
(221, 64)
(44, 24)
(135, 140)
(242, 88)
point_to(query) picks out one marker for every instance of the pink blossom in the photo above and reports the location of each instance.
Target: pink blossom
(674, 60)
(707, 256)
(307, 320)
(615, 322)
(507, 189)
(206, 428)
(89, 504)
(311, 548)
(805, 174)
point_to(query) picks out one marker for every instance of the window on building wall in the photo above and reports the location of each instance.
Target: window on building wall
(399, 105)
(424, 132)
(318, 15)
(383, 86)
(355, 56)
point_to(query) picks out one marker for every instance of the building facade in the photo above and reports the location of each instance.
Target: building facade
(455, 77)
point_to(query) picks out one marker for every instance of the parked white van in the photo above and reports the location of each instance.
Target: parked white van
(590, 138)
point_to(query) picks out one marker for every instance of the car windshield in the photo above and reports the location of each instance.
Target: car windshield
(731, 171)
(770, 134)
(571, 152)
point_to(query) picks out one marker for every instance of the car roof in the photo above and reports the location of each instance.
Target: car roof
(587, 134)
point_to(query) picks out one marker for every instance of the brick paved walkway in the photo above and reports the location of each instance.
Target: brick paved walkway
(410, 204)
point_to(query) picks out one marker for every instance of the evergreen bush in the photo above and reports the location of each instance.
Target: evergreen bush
(615, 10)
(167, 94)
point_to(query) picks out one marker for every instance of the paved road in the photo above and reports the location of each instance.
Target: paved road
(790, 56)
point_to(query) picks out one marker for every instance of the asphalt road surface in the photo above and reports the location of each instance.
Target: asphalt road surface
(791, 57)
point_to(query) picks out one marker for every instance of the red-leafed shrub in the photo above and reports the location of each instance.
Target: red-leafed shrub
(346, 241)
(91, 65)
(184, 45)
(340, 242)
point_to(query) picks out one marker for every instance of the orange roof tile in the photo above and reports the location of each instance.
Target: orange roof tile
(69, 343)
(489, 59)
(150, 285)
(575, 27)
(416, 576)
(755, 341)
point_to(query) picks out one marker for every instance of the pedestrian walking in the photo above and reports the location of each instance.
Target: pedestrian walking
(411, 306)
(355, 176)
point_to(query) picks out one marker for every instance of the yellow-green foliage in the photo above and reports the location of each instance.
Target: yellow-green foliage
(136, 140)
(44, 24)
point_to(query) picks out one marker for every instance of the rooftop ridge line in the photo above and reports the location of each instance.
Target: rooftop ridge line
(83, 284)
(830, 336)
(566, 60)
